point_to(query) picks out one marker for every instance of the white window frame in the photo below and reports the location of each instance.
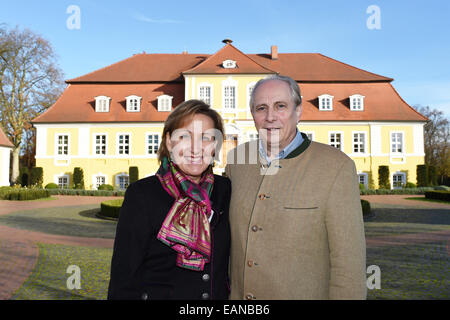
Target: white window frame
(230, 82)
(366, 179)
(199, 95)
(118, 144)
(398, 173)
(118, 176)
(61, 175)
(99, 106)
(229, 64)
(311, 133)
(341, 133)
(353, 105)
(94, 180)
(252, 135)
(130, 101)
(364, 143)
(147, 134)
(402, 142)
(94, 144)
(165, 103)
(322, 104)
(57, 145)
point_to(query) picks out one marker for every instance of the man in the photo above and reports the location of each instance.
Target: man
(296, 221)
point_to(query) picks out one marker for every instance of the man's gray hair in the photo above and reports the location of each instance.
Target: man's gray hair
(293, 85)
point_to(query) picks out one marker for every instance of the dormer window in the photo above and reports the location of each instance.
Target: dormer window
(326, 102)
(102, 104)
(165, 102)
(133, 103)
(229, 64)
(357, 102)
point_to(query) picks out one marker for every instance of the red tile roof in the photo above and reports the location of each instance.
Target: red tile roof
(4, 141)
(151, 75)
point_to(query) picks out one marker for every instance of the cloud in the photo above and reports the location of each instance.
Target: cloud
(141, 17)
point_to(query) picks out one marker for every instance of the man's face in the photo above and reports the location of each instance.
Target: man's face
(275, 114)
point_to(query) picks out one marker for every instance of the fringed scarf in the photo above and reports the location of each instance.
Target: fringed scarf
(186, 226)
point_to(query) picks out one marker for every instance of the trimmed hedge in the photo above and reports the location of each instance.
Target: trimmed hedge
(365, 207)
(111, 208)
(383, 177)
(37, 176)
(422, 175)
(133, 173)
(105, 187)
(24, 194)
(396, 191)
(78, 178)
(438, 195)
(51, 185)
(79, 192)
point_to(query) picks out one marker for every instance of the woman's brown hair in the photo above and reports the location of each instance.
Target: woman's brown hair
(180, 114)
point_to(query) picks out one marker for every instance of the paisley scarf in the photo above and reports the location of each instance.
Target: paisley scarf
(186, 226)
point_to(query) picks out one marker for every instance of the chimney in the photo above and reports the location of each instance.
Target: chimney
(274, 52)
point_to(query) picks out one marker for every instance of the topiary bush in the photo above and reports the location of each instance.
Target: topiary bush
(383, 177)
(37, 176)
(422, 175)
(78, 178)
(105, 187)
(111, 208)
(438, 195)
(51, 185)
(24, 194)
(133, 174)
(365, 207)
(432, 176)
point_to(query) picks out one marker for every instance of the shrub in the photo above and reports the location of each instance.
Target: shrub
(37, 176)
(24, 177)
(432, 176)
(383, 177)
(134, 174)
(409, 185)
(422, 175)
(111, 208)
(51, 185)
(105, 187)
(365, 207)
(78, 178)
(25, 194)
(438, 195)
(362, 186)
(442, 188)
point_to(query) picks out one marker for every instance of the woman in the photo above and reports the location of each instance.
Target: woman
(173, 235)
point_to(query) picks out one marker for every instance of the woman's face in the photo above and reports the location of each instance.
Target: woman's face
(192, 146)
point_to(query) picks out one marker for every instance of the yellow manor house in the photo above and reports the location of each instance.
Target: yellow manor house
(111, 119)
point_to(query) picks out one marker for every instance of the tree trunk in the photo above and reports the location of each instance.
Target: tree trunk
(15, 165)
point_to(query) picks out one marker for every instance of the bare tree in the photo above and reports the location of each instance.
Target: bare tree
(437, 141)
(30, 81)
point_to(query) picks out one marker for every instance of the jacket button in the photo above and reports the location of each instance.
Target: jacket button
(250, 296)
(255, 228)
(261, 196)
(205, 277)
(144, 296)
(250, 263)
(205, 296)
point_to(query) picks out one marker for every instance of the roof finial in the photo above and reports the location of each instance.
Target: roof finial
(227, 41)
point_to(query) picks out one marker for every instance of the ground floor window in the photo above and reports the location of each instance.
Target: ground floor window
(123, 181)
(99, 180)
(363, 179)
(63, 182)
(398, 180)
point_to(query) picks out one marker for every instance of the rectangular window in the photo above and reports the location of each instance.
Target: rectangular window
(362, 179)
(397, 142)
(229, 93)
(398, 180)
(359, 143)
(123, 182)
(63, 182)
(205, 94)
(99, 180)
(336, 140)
(152, 143)
(100, 144)
(124, 144)
(62, 144)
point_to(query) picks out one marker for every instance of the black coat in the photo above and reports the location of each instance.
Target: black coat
(143, 267)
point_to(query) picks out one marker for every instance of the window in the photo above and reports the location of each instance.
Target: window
(102, 104)
(253, 136)
(124, 144)
(63, 182)
(335, 140)
(100, 144)
(62, 144)
(397, 142)
(363, 179)
(133, 104)
(99, 180)
(165, 103)
(204, 94)
(152, 144)
(310, 135)
(357, 102)
(359, 142)
(229, 93)
(122, 181)
(229, 64)
(398, 180)
(326, 102)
